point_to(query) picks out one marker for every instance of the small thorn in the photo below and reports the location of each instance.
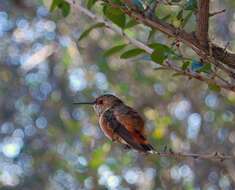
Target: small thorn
(216, 154)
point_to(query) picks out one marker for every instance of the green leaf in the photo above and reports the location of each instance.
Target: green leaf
(114, 50)
(165, 18)
(186, 65)
(87, 31)
(158, 57)
(132, 53)
(131, 23)
(179, 16)
(115, 15)
(160, 53)
(65, 8)
(151, 34)
(206, 68)
(91, 3)
(214, 87)
(62, 5)
(55, 4)
(160, 47)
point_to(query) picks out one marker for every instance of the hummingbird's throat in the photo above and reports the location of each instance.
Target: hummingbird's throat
(99, 109)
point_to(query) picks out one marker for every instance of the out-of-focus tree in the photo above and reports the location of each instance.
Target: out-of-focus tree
(47, 62)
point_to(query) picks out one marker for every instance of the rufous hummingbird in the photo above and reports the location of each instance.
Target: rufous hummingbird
(120, 123)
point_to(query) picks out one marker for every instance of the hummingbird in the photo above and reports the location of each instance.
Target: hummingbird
(120, 123)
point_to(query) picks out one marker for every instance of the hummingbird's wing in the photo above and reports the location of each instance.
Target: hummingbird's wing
(127, 127)
(110, 121)
(133, 122)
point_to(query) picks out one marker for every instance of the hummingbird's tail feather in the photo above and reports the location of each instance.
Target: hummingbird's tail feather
(148, 148)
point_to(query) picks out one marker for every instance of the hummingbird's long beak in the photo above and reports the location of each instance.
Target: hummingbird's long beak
(85, 103)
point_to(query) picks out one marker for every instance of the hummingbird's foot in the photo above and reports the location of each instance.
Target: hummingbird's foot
(168, 149)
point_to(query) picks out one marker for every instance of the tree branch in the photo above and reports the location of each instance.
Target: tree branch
(217, 12)
(218, 53)
(167, 65)
(203, 22)
(213, 156)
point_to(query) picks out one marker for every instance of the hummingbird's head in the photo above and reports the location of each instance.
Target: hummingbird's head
(103, 103)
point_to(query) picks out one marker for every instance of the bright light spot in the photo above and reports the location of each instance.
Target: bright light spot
(150, 173)
(22, 23)
(131, 176)
(175, 173)
(182, 172)
(65, 179)
(159, 89)
(107, 177)
(65, 41)
(6, 128)
(5, 24)
(42, 11)
(41, 122)
(30, 61)
(88, 183)
(113, 181)
(101, 81)
(29, 130)
(186, 172)
(228, 116)
(18, 133)
(82, 160)
(232, 137)
(181, 109)
(9, 180)
(222, 134)
(194, 124)
(11, 147)
(224, 182)
(77, 80)
(212, 101)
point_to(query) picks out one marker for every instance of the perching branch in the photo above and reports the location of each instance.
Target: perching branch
(212, 156)
(168, 64)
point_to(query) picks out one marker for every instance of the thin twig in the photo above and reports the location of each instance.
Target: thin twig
(147, 49)
(183, 36)
(217, 12)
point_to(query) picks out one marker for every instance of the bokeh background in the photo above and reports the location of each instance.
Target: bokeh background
(48, 143)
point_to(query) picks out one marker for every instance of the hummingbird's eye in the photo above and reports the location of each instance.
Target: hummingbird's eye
(100, 101)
